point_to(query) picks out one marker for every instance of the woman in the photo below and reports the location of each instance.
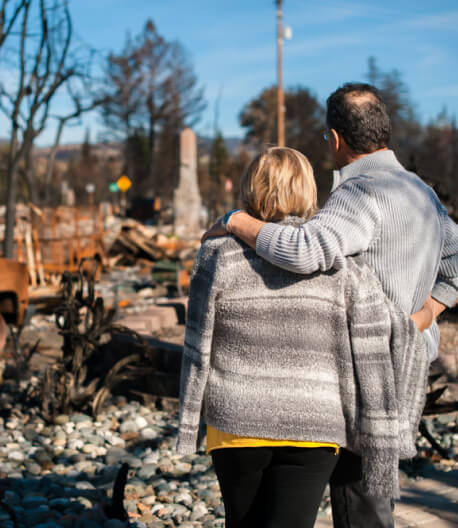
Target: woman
(286, 368)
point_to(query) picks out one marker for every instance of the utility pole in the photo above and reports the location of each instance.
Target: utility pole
(280, 97)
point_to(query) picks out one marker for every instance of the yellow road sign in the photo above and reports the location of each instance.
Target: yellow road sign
(124, 183)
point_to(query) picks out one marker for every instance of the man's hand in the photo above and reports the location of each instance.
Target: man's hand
(241, 225)
(425, 317)
(216, 229)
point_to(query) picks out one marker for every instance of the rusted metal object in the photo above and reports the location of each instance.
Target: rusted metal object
(13, 291)
(90, 370)
(13, 304)
(63, 241)
(82, 321)
(3, 334)
(54, 240)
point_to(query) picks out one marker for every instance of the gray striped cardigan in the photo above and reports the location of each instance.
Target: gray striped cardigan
(325, 357)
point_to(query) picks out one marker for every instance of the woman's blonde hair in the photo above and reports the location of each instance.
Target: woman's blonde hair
(279, 182)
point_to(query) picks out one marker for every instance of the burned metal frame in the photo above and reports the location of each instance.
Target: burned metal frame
(85, 325)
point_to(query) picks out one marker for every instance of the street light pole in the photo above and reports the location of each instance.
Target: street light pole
(280, 97)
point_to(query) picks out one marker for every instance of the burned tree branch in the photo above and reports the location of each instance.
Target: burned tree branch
(79, 108)
(116, 509)
(444, 453)
(6, 30)
(41, 74)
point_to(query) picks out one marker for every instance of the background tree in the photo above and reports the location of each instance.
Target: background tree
(406, 129)
(138, 144)
(9, 12)
(167, 160)
(184, 97)
(90, 168)
(238, 163)
(83, 171)
(304, 127)
(82, 99)
(151, 86)
(122, 93)
(438, 160)
(153, 50)
(40, 62)
(183, 105)
(259, 118)
(218, 171)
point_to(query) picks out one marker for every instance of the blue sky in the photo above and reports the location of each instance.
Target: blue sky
(232, 46)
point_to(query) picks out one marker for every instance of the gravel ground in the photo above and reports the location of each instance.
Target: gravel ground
(63, 474)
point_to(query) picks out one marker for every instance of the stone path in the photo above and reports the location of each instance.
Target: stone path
(427, 503)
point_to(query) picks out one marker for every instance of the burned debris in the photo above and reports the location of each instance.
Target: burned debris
(99, 355)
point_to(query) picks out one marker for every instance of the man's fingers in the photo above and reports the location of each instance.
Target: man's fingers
(206, 235)
(425, 317)
(215, 230)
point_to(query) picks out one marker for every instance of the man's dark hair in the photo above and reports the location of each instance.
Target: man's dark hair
(357, 112)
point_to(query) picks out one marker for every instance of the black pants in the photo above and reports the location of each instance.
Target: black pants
(272, 487)
(351, 508)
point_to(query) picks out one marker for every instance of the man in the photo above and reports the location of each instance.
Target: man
(387, 214)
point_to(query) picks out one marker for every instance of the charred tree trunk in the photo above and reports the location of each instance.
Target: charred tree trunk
(29, 176)
(51, 160)
(151, 148)
(10, 219)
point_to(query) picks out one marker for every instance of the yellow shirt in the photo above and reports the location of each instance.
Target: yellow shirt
(220, 440)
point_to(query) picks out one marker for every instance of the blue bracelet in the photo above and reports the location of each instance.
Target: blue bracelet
(226, 218)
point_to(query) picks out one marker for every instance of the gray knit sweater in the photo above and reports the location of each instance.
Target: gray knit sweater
(393, 219)
(273, 354)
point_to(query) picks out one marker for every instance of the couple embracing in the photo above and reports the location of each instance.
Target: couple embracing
(310, 332)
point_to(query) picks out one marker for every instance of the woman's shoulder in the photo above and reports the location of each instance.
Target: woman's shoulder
(217, 250)
(219, 246)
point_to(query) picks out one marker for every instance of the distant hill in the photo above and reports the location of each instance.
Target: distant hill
(233, 144)
(68, 152)
(72, 151)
